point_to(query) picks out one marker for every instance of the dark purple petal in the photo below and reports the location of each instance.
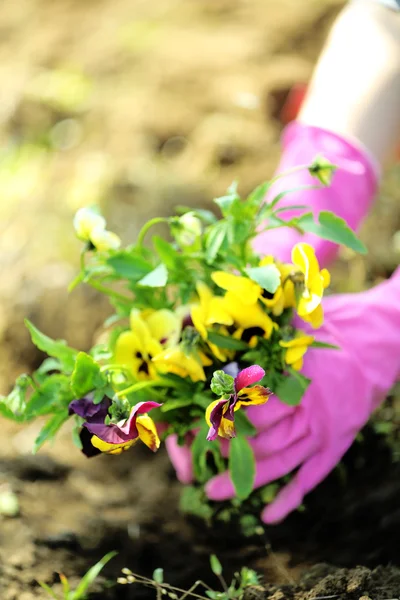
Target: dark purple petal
(87, 448)
(85, 408)
(248, 376)
(216, 418)
(231, 369)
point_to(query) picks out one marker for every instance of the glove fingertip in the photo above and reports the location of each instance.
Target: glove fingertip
(220, 488)
(181, 459)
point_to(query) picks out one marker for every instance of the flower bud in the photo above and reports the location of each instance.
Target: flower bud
(187, 230)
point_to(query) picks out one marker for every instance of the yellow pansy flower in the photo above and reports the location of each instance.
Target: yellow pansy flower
(183, 363)
(310, 288)
(246, 290)
(284, 296)
(151, 332)
(296, 349)
(248, 316)
(91, 227)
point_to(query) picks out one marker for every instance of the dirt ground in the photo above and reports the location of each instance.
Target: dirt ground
(140, 106)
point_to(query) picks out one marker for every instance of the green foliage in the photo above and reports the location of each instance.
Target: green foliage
(216, 566)
(332, 228)
(241, 466)
(55, 348)
(156, 278)
(223, 341)
(222, 384)
(292, 388)
(86, 376)
(81, 591)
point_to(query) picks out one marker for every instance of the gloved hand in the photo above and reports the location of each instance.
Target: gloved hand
(347, 385)
(349, 196)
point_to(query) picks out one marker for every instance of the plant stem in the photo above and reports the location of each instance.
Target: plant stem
(147, 226)
(105, 290)
(141, 385)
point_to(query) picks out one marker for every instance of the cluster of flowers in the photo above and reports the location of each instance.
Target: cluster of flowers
(179, 342)
(202, 327)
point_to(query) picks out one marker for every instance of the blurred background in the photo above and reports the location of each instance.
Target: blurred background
(138, 106)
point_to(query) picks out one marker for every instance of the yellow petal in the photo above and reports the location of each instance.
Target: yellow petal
(127, 347)
(111, 448)
(148, 432)
(326, 278)
(227, 429)
(104, 240)
(85, 221)
(217, 312)
(164, 325)
(248, 316)
(198, 317)
(210, 408)
(315, 318)
(303, 256)
(299, 340)
(292, 355)
(252, 396)
(242, 287)
(298, 365)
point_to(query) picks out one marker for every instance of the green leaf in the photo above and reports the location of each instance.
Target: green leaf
(333, 228)
(317, 344)
(216, 566)
(158, 575)
(48, 589)
(243, 426)
(291, 390)
(50, 429)
(268, 277)
(257, 196)
(224, 341)
(200, 448)
(193, 501)
(205, 215)
(13, 406)
(86, 375)
(55, 348)
(54, 393)
(242, 467)
(214, 239)
(129, 266)
(90, 576)
(158, 277)
(222, 383)
(167, 253)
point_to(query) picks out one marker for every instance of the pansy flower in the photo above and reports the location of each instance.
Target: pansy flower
(309, 288)
(114, 438)
(296, 349)
(184, 362)
(236, 393)
(90, 227)
(241, 302)
(150, 333)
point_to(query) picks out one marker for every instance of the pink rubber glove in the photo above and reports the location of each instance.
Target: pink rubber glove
(349, 196)
(347, 385)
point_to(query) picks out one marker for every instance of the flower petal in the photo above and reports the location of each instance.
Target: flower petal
(213, 415)
(303, 256)
(111, 448)
(248, 376)
(85, 408)
(129, 428)
(148, 432)
(247, 290)
(252, 396)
